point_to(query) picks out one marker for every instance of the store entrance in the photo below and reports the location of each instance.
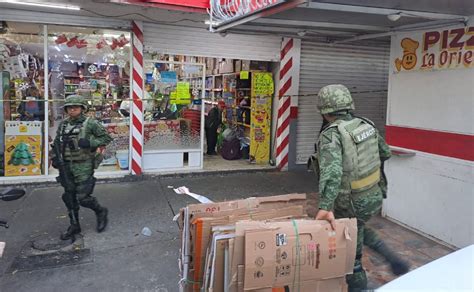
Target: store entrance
(241, 92)
(239, 98)
(217, 119)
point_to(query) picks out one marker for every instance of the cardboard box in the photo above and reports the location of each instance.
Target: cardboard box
(196, 233)
(258, 65)
(329, 285)
(277, 253)
(238, 66)
(201, 230)
(245, 65)
(226, 66)
(264, 244)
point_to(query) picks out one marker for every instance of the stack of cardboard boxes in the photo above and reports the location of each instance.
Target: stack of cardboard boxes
(263, 244)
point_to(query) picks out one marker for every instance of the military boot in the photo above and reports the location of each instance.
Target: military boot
(102, 219)
(100, 212)
(398, 265)
(74, 228)
(357, 282)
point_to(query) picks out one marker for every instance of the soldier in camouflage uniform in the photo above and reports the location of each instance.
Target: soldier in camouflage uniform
(350, 156)
(79, 138)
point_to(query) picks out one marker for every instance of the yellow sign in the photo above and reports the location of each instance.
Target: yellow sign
(434, 50)
(182, 90)
(244, 75)
(262, 83)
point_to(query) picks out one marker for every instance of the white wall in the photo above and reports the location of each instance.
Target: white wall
(436, 100)
(432, 194)
(428, 192)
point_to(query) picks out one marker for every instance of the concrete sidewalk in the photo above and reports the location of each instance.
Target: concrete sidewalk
(122, 259)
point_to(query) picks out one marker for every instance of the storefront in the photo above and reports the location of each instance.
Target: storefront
(430, 125)
(91, 61)
(184, 75)
(217, 68)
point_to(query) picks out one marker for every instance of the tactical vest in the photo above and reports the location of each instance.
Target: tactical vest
(70, 134)
(360, 155)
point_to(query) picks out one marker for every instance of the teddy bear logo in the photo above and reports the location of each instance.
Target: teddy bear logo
(409, 58)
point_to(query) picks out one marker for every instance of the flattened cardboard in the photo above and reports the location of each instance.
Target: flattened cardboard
(201, 231)
(281, 253)
(329, 285)
(195, 210)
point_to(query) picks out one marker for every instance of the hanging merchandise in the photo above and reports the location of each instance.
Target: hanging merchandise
(81, 44)
(122, 40)
(61, 39)
(92, 69)
(121, 63)
(72, 42)
(101, 44)
(115, 44)
(23, 64)
(4, 52)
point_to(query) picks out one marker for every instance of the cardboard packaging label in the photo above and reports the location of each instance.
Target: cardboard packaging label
(282, 253)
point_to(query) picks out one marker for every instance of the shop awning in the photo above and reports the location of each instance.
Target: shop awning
(348, 19)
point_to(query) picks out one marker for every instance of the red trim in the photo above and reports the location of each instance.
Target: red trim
(136, 146)
(282, 128)
(294, 112)
(137, 31)
(454, 145)
(138, 79)
(286, 68)
(136, 168)
(138, 56)
(187, 3)
(285, 87)
(286, 49)
(168, 5)
(284, 107)
(283, 163)
(282, 146)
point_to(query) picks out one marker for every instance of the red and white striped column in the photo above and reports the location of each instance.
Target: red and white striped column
(137, 89)
(288, 100)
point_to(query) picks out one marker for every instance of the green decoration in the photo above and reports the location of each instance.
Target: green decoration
(21, 155)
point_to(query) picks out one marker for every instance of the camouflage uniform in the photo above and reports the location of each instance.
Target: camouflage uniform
(79, 139)
(336, 193)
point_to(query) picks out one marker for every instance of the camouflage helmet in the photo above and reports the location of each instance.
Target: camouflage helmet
(75, 100)
(333, 98)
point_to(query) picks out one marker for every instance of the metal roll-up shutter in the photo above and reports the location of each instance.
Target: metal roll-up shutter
(167, 39)
(362, 67)
(62, 19)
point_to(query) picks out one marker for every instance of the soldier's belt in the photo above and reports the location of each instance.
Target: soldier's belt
(366, 181)
(72, 160)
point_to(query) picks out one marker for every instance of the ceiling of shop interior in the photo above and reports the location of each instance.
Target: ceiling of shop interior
(315, 22)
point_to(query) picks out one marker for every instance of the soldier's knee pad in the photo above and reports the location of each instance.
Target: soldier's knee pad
(86, 188)
(87, 201)
(69, 201)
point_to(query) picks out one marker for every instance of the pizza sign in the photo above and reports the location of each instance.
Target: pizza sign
(434, 50)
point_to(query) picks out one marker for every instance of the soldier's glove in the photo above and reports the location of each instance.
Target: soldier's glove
(84, 143)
